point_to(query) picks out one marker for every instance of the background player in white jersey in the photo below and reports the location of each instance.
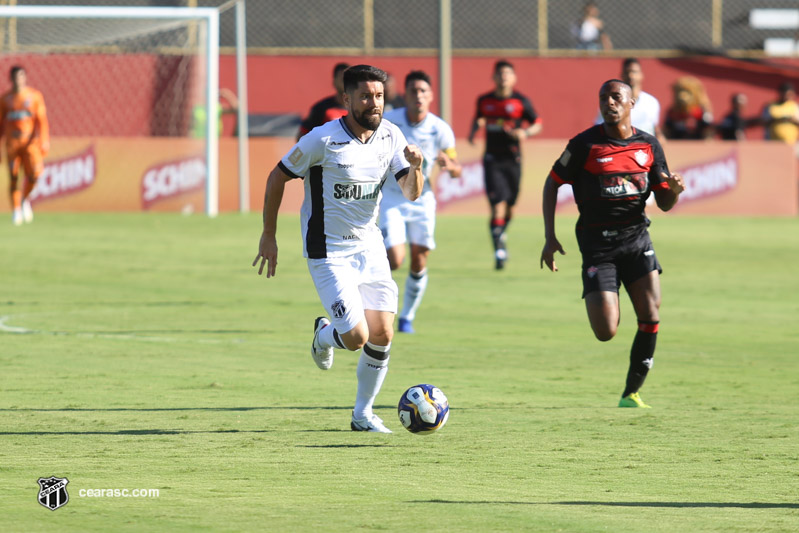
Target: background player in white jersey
(344, 163)
(404, 221)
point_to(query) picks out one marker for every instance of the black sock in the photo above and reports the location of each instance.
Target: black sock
(641, 356)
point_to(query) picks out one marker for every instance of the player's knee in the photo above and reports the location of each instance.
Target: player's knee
(604, 332)
(355, 338)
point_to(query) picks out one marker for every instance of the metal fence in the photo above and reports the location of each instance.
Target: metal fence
(479, 27)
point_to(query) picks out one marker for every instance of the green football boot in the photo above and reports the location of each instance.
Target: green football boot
(633, 400)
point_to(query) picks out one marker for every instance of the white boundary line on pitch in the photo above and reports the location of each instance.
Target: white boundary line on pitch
(17, 330)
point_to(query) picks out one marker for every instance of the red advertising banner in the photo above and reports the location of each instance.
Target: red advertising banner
(168, 174)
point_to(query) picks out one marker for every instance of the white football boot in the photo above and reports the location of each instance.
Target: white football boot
(373, 424)
(323, 357)
(27, 212)
(16, 217)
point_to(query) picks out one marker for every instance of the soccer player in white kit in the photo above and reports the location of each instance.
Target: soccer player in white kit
(344, 164)
(404, 221)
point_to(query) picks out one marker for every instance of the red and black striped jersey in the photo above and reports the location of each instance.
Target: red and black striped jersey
(322, 112)
(503, 115)
(611, 178)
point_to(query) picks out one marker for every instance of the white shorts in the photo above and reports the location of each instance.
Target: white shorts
(348, 285)
(405, 221)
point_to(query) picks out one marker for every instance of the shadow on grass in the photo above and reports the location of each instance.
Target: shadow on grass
(682, 505)
(134, 432)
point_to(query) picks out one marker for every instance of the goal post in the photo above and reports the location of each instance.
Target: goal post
(182, 40)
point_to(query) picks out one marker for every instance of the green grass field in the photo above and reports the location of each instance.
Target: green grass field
(142, 351)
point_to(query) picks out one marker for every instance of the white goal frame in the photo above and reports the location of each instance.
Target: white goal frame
(209, 17)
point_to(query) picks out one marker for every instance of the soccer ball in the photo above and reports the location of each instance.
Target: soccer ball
(423, 409)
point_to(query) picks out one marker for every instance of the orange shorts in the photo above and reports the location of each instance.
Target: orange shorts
(29, 157)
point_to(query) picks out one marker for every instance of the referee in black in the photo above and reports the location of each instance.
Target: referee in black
(503, 112)
(612, 168)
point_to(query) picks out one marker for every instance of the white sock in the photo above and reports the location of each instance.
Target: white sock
(371, 371)
(415, 286)
(328, 336)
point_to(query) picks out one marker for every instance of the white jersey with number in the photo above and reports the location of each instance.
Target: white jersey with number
(432, 135)
(343, 178)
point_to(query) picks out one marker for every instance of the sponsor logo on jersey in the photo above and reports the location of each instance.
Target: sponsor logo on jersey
(334, 143)
(565, 157)
(623, 186)
(351, 191)
(604, 159)
(171, 179)
(65, 176)
(345, 165)
(641, 157)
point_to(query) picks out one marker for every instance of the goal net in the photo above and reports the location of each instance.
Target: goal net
(128, 92)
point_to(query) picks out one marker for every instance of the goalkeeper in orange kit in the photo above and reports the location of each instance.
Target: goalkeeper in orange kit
(23, 122)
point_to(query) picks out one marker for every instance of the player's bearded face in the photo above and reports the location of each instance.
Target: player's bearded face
(366, 104)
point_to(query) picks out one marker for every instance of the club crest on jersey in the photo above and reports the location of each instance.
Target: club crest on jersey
(338, 308)
(641, 157)
(53, 492)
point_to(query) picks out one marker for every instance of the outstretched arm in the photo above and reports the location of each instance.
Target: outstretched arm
(551, 244)
(267, 248)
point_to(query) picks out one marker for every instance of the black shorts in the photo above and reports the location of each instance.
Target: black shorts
(607, 263)
(502, 178)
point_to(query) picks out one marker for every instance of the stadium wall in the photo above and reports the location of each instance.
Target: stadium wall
(563, 90)
(168, 174)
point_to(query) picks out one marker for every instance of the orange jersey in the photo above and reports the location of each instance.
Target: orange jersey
(23, 119)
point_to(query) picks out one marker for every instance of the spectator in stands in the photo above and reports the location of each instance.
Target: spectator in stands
(733, 125)
(690, 115)
(781, 118)
(329, 108)
(590, 30)
(392, 99)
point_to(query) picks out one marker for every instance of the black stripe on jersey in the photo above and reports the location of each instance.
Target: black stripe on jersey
(286, 170)
(403, 172)
(315, 241)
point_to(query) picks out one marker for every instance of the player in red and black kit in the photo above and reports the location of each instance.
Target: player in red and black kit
(503, 112)
(329, 108)
(613, 168)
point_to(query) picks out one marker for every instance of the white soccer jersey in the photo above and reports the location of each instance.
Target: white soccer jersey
(431, 135)
(343, 178)
(645, 115)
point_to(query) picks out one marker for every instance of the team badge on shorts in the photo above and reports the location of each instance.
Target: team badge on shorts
(338, 308)
(592, 270)
(53, 492)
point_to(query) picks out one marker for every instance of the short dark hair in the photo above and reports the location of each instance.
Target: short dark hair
(786, 86)
(502, 63)
(13, 72)
(354, 75)
(339, 68)
(630, 61)
(616, 80)
(417, 75)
